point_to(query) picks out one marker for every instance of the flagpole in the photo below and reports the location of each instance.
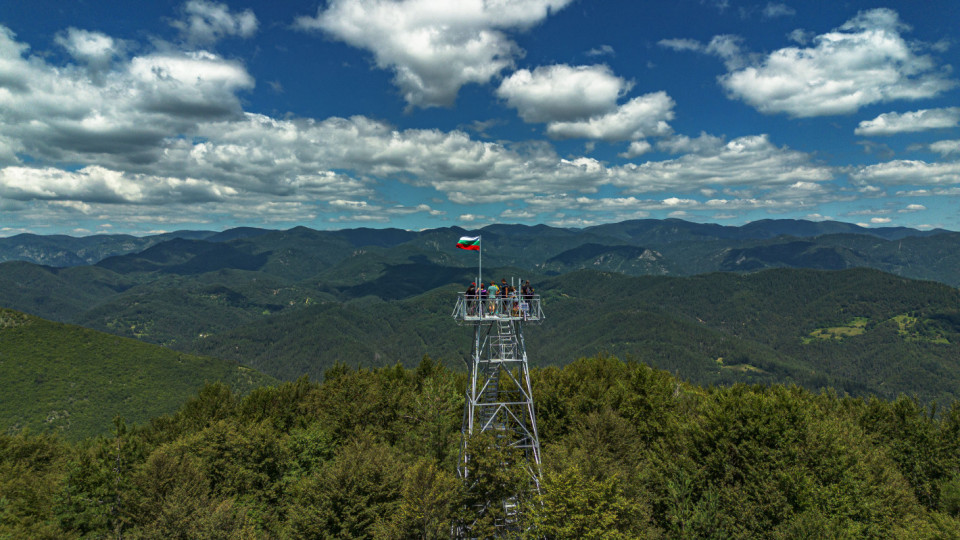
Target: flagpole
(480, 270)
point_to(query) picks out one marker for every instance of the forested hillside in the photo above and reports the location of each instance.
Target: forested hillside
(859, 331)
(72, 382)
(317, 300)
(628, 452)
(62, 250)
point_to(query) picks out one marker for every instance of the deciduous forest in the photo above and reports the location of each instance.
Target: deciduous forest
(628, 452)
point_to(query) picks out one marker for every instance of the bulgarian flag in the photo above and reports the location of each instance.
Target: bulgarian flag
(469, 242)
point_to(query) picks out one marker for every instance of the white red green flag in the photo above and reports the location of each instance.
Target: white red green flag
(469, 242)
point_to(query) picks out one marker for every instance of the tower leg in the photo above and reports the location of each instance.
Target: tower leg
(499, 433)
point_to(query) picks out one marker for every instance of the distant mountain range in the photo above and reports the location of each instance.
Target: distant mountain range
(771, 301)
(639, 247)
(62, 250)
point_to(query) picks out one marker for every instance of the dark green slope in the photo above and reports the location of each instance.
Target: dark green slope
(72, 381)
(237, 233)
(860, 331)
(57, 293)
(376, 237)
(657, 230)
(934, 257)
(372, 263)
(365, 332)
(792, 254)
(630, 260)
(299, 253)
(770, 228)
(690, 350)
(173, 310)
(876, 333)
(294, 254)
(185, 257)
(62, 250)
(793, 244)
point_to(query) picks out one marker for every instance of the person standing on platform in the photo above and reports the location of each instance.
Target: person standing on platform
(471, 298)
(492, 293)
(526, 291)
(512, 302)
(481, 298)
(526, 298)
(504, 291)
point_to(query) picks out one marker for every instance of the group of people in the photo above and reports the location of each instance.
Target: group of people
(498, 299)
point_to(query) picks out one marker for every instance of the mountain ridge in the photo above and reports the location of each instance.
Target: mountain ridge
(72, 381)
(65, 250)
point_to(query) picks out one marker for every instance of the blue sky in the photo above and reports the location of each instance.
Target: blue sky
(139, 117)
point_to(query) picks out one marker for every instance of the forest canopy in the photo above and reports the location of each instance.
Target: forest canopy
(628, 452)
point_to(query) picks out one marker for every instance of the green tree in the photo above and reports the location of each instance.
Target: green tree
(31, 469)
(430, 500)
(498, 487)
(350, 495)
(573, 505)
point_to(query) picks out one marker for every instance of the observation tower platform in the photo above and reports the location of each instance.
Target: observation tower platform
(473, 309)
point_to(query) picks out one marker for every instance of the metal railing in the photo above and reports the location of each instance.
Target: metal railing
(518, 308)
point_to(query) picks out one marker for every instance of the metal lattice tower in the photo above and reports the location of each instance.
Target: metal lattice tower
(499, 398)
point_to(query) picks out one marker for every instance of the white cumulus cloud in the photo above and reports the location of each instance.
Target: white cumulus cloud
(747, 161)
(562, 92)
(727, 47)
(94, 184)
(124, 116)
(91, 48)
(914, 172)
(434, 47)
(946, 148)
(775, 9)
(636, 148)
(864, 61)
(682, 44)
(924, 119)
(207, 22)
(643, 116)
(581, 102)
